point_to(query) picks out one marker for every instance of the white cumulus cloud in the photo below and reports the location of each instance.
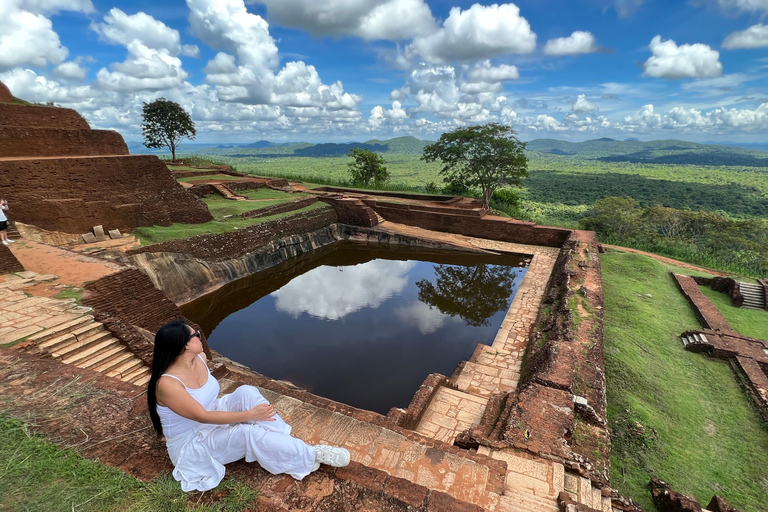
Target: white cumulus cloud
(744, 5)
(485, 72)
(153, 49)
(479, 32)
(27, 36)
(755, 36)
(583, 106)
(685, 61)
(335, 292)
(423, 317)
(577, 43)
(368, 19)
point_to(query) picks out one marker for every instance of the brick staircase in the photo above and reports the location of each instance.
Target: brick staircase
(694, 341)
(227, 193)
(85, 343)
(65, 331)
(754, 296)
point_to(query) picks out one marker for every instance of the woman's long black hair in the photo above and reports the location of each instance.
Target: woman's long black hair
(170, 341)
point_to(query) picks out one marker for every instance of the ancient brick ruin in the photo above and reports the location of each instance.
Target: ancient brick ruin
(520, 426)
(60, 175)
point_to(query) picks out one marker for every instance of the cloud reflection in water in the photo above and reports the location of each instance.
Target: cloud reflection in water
(333, 292)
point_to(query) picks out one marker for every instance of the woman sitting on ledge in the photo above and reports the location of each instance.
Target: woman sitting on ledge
(203, 433)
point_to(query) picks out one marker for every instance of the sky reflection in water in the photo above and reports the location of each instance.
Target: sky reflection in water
(359, 334)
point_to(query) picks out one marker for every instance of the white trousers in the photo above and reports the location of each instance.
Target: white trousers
(199, 457)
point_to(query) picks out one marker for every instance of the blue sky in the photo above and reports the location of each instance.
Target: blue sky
(339, 70)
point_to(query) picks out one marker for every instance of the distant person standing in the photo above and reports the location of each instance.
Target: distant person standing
(4, 222)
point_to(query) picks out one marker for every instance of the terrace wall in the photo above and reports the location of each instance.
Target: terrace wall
(493, 228)
(44, 142)
(34, 116)
(74, 194)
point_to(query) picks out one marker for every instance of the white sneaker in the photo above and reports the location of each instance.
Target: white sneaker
(10, 241)
(5, 242)
(331, 455)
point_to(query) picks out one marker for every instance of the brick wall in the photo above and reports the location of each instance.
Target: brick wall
(352, 211)
(8, 262)
(5, 94)
(35, 116)
(28, 141)
(505, 230)
(74, 194)
(129, 297)
(229, 245)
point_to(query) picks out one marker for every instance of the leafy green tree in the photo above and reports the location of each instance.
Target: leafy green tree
(488, 157)
(473, 293)
(616, 217)
(366, 167)
(165, 124)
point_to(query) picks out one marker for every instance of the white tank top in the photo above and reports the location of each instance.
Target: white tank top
(175, 425)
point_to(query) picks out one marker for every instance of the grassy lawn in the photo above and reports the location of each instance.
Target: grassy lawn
(675, 415)
(749, 322)
(158, 234)
(38, 475)
(268, 193)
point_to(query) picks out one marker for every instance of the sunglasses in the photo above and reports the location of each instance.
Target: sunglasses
(195, 334)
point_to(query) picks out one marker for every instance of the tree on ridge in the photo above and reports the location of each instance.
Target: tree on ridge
(486, 156)
(165, 124)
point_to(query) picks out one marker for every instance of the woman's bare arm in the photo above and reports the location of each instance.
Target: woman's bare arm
(173, 394)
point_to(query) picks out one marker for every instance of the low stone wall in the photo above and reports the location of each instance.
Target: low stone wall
(352, 211)
(38, 142)
(34, 116)
(495, 228)
(72, 195)
(184, 277)
(703, 308)
(476, 212)
(218, 247)
(8, 262)
(667, 500)
(764, 284)
(726, 285)
(402, 195)
(564, 367)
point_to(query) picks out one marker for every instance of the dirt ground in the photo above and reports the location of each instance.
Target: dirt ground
(72, 268)
(667, 260)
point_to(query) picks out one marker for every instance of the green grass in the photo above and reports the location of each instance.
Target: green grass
(749, 322)
(220, 207)
(158, 234)
(37, 475)
(71, 292)
(673, 414)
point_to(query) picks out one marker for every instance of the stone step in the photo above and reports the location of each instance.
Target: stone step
(128, 367)
(59, 330)
(143, 380)
(486, 380)
(78, 351)
(103, 354)
(514, 501)
(450, 413)
(75, 336)
(136, 373)
(401, 454)
(117, 359)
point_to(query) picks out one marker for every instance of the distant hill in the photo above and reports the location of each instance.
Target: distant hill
(605, 149)
(652, 152)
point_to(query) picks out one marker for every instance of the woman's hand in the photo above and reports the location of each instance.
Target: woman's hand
(262, 412)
